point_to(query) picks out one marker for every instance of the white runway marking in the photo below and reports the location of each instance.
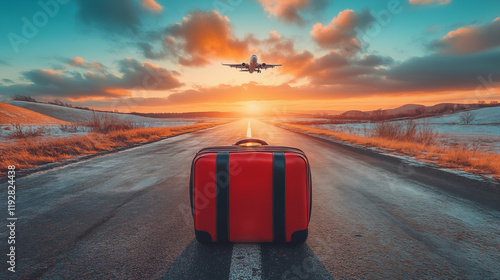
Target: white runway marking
(249, 131)
(246, 262)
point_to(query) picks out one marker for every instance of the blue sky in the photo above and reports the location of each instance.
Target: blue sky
(114, 34)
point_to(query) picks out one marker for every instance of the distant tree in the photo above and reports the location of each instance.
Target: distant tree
(494, 103)
(57, 102)
(420, 111)
(24, 98)
(481, 104)
(448, 108)
(379, 115)
(459, 107)
(467, 117)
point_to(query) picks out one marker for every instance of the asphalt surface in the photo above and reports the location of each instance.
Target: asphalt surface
(126, 215)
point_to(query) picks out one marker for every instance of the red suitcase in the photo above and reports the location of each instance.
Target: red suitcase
(251, 193)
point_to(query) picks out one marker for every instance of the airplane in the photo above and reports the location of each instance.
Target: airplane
(252, 66)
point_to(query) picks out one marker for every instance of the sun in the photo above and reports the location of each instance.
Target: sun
(252, 108)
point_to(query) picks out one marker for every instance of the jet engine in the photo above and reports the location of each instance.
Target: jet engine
(243, 64)
(264, 65)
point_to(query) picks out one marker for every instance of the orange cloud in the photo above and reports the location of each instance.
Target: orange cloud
(203, 36)
(342, 31)
(290, 10)
(152, 6)
(277, 49)
(274, 33)
(470, 39)
(425, 2)
(117, 92)
(80, 62)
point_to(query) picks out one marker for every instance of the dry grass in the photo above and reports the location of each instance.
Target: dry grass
(106, 123)
(10, 114)
(407, 131)
(72, 127)
(29, 153)
(466, 157)
(24, 132)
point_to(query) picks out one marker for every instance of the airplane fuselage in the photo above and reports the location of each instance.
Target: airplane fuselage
(253, 64)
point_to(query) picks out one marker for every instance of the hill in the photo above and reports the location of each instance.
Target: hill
(10, 114)
(413, 110)
(405, 109)
(484, 116)
(355, 114)
(68, 114)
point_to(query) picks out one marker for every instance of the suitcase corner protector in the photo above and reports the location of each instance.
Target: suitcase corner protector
(299, 236)
(203, 236)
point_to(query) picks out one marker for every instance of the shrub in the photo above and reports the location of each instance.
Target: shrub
(21, 132)
(467, 117)
(408, 130)
(105, 123)
(426, 134)
(71, 127)
(58, 102)
(24, 98)
(389, 130)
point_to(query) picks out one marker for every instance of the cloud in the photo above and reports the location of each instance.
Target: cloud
(341, 33)
(226, 94)
(4, 62)
(274, 33)
(445, 72)
(431, 28)
(290, 11)
(469, 39)
(152, 6)
(75, 85)
(323, 65)
(150, 50)
(245, 92)
(281, 50)
(112, 16)
(331, 76)
(369, 74)
(80, 62)
(372, 74)
(373, 60)
(206, 36)
(333, 68)
(8, 81)
(201, 37)
(425, 2)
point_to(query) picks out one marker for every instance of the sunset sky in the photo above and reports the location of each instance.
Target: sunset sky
(165, 56)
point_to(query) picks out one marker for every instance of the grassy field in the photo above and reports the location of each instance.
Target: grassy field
(463, 157)
(31, 152)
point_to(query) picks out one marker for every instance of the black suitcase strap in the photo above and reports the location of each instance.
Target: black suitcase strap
(222, 199)
(279, 229)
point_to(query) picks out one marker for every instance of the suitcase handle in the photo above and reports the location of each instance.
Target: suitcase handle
(250, 140)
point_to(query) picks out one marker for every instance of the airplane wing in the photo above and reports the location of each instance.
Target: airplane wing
(271, 65)
(239, 66)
